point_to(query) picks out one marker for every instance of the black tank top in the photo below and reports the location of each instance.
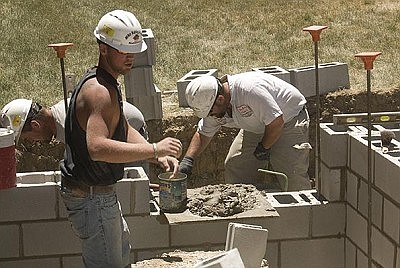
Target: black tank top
(77, 164)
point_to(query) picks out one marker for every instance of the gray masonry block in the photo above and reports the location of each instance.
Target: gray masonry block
(362, 202)
(148, 231)
(328, 219)
(32, 263)
(332, 180)
(140, 196)
(146, 57)
(49, 238)
(228, 259)
(250, 240)
(72, 262)
(358, 154)
(139, 82)
(9, 242)
(391, 216)
(36, 177)
(314, 253)
(29, 202)
(275, 71)
(333, 144)
(356, 228)
(182, 83)
(383, 251)
(332, 76)
(351, 188)
(377, 213)
(150, 106)
(351, 253)
(387, 170)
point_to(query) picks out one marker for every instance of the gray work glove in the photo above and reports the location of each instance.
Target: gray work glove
(186, 165)
(261, 153)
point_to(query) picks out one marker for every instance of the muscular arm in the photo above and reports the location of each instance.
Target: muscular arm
(272, 132)
(98, 114)
(197, 145)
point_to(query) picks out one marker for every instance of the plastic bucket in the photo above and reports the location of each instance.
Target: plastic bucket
(8, 176)
(173, 192)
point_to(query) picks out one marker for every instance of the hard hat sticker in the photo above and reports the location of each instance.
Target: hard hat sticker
(108, 30)
(16, 121)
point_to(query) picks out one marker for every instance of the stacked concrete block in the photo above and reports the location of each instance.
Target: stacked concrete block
(150, 106)
(332, 76)
(229, 259)
(275, 71)
(140, 89)
(250, 240)
(385, 199)
(182, 83)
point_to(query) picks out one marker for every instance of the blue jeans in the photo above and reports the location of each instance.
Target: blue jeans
(97, 220)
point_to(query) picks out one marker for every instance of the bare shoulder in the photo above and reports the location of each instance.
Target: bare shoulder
(93, 94)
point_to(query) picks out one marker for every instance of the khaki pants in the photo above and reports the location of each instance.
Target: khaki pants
(289, 155)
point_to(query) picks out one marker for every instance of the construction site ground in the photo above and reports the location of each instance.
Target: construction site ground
(180, 123)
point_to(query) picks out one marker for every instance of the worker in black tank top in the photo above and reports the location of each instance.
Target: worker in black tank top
(99, 141)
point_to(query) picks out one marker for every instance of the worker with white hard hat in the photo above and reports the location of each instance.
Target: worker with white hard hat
(273, 122)
(99, 141)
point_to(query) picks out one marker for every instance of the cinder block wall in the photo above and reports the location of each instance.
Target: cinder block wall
(34, 230)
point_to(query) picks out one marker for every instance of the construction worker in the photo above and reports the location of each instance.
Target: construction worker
(98, 141)
(273, 121)
(38, 123)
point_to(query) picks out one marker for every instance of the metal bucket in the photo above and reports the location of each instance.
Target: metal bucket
(173, 192)
(8, 176)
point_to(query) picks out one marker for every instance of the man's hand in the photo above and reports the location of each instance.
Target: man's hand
(261, 153)
(169, 164)
(186, 165)
(168, 146)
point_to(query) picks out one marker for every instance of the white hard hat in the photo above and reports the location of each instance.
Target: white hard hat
(201, 93)
(14, 114)
(121, 30)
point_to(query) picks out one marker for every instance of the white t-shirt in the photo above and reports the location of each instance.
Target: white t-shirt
(133, 115)
(257, 99)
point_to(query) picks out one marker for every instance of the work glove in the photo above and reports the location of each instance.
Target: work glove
(186, 165)
(261, 153)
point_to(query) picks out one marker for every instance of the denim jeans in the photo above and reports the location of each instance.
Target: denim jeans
(97, 220)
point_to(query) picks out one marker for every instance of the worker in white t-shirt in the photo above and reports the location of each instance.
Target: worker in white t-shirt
(273, 121)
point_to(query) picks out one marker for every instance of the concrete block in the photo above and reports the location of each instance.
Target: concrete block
(148, 231)
(332, 76)
(72, 262)
(195, 233)
(294, 222)
(35, 177)
(272, 253)
(334, 144)
(314, 253)
(139, 82)
(383, 251)
(362, 203)
(358, 154)
(49, 238)
(332, 181)
(250, 240)
(275, 71)
(9, 242)
(124, 195)
(150, 106)
(362, 259)
(29, 202)
(352, 189)
(229, 259)
(182, 83)
(377, 211)
(351, 254)
(391, 220)
(32, 263)
(140, 196)
(293, 199)
(147, 57)
(387, 170)
(356, 228)
(328, 219)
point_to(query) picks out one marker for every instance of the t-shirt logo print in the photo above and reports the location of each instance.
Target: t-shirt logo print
(245, 110)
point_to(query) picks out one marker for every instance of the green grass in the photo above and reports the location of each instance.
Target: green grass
(232, 36)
